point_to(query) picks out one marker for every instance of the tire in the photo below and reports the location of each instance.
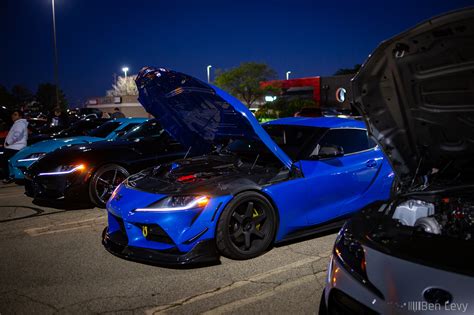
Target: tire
(104, 181)
(246, 227)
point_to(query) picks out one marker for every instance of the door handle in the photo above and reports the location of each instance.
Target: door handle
(371, 163)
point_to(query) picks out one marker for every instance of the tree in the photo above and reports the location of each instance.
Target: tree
(46, 97)
(22, 95)
(6, 98)
(244, 81)
(283, 107)
(342, 71)
(124, 86)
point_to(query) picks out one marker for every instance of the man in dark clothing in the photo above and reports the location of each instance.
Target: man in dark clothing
(117, 113)
(58, 119)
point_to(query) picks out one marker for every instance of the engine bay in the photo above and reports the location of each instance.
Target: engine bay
(448, 216)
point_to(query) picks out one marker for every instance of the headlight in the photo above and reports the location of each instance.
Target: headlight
(174, 203)
(65, 169)
(351, 255)
(33, 157)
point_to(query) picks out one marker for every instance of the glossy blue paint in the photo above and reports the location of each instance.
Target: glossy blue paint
(198, 114)
(329, 189)
(322, 122)
(180, 225)
(20, 160)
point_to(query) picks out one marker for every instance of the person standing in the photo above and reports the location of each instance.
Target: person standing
(58, 119)
(117, 113)
(15, 141)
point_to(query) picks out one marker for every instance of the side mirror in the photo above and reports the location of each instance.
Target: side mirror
(329, 151)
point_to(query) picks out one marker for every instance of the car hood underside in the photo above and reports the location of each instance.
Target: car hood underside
(416, 92)
(200, 116)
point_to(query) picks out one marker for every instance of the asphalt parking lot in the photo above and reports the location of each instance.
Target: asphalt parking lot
(52, 261)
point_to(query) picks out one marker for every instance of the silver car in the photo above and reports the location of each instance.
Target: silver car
(415, 253)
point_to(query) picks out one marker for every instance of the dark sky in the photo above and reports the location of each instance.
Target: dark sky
(96, 38)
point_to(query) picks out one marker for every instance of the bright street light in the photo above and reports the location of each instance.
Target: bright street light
(288, 75)
(209, 73)
(125, 70)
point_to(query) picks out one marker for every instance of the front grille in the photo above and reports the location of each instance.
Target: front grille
(341, 304)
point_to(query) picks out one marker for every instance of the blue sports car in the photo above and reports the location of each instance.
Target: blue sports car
(259, 185)
(108, 131)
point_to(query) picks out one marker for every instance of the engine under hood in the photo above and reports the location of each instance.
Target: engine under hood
(416, 92)
(198, 115)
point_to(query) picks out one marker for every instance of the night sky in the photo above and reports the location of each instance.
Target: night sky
(96, 38)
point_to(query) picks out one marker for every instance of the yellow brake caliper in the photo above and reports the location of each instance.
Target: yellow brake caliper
(254, 215)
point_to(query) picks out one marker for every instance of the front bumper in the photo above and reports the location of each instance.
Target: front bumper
(17, 171)
(71, 186)
(203, 252)
(164, 237)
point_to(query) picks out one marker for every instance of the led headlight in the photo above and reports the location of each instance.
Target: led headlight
(33, 157)
(65, 169)
(174, 203)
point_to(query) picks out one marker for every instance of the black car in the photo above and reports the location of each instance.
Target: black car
(92, 171)
(414, 252)
(79, 128)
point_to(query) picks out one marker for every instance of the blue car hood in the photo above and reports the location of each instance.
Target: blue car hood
(53, 144)
(200, 116)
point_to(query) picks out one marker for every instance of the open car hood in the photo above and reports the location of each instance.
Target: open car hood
(416, 92)
(200, 116)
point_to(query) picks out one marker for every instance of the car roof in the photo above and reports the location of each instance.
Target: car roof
(130, 120)
(322, 122)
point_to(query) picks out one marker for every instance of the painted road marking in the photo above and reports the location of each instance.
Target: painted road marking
(208, 294)
(226, 308)
(65, 227)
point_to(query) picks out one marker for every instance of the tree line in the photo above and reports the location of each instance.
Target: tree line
(44, 100)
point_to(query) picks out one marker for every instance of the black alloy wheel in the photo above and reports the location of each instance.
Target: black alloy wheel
(246, 227)
(104, 181)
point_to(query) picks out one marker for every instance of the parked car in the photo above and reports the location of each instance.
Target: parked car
(91, 171)
(309, 112)
(414, 253)
(261, 185)
(107, 131)
(79, 128)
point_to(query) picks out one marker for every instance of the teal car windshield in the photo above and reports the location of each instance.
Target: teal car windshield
(104, 130)
(148, 129)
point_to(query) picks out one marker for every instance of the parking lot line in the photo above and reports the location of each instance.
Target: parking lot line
(64, 227)
(235, 285)
(226, 308)
(2, 196)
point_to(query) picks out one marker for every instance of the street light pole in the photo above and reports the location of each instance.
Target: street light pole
(209, 73)
(288, 75)
(125, 70)
(56, 76)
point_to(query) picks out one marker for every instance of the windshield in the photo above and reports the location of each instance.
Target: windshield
(296, 141)
(105, 130)
(148, 129)
(82, 127)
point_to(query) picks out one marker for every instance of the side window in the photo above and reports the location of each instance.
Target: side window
(351, 140)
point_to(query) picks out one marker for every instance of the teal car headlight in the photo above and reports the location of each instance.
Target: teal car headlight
(175, 203)
(65, 169)
(33, 157)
